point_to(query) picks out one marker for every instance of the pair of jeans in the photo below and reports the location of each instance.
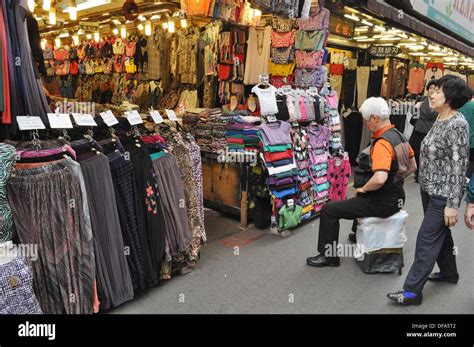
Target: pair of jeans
(357, 207)
(434, 244)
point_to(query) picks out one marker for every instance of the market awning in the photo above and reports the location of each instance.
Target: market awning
(411, 23)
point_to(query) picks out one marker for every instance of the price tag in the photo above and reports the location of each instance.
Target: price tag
(171, 115)
(83, 119)
(313, 90)
(271, 119)
(30, 123)
(156, 116)
(264, 78)
(134, 117)
(59, 121)
(109, 118)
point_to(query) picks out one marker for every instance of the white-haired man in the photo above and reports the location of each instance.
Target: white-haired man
(392, 160)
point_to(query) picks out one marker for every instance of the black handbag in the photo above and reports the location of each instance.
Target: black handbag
(363, 173)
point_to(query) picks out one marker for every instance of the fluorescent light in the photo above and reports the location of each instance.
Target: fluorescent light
(405, 36)
(96, 36)
(73, 13)
(46, 5)
(412, 39)
(389, 38)
(116, 21)
(416, 47)
(360, 37)
(155, 16)
(417, 54)
(105, 14)
(451, 58)
(88, 36)
(64, 34)
(165, 25)
(439, 54)
(75, 39)
(361, 29)
(354, 18)
(123, 31)
(366, 40)
(184, 23)
(57, 42)
(434, 48)
(43, 43)
(379, 28)
(367, 23)
(142, 18)
(91, 4)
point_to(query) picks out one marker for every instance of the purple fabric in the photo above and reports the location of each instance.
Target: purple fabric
(319, 136)
(16, 288)
(279, 181)
(33, 153)
(277, 133)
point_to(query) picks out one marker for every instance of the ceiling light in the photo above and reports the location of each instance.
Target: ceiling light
(379, 28)
(367, 23)
(155, 16)
(439, 54)
(142, 18)
(354, 18)
(52, 15)
(416, 47)
(43, 44)
(96, 36)
(451, 58)
(64, 34)
(105, 14)
(116, 21)
(165, 25)
(75, 40)
(417, 54)
(366, 40)
(360, 37)
(361, 29)
(123, 31)
(434, 48)
(412, 39)
(31, 5)
(88, 36)
(148, 28)
(57, 42)
(46, 5)
(140, 27)
(389, 38)
(171, 26)
(91, 4)
(73, 10)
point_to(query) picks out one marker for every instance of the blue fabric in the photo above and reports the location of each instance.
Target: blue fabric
(282, 162)
(282, 193)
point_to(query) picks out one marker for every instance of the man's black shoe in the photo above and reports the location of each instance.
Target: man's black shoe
(352, 237)
(439, 277)
(400, 298)
(321, 261)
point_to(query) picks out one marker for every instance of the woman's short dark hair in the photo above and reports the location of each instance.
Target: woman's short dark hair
(432, 82)
(455, 90)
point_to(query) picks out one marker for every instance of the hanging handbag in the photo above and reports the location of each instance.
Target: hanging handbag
(61, 54)
(118, 64)
(90, 67)
(224, 72)
(61, 68)
(73, 67)
(130, 66)
(48, 54)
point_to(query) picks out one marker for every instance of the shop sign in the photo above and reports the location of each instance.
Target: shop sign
(455, 15)
(30, 123)
(341, 27)
(384, 51)
(89, 26)
(59, 121)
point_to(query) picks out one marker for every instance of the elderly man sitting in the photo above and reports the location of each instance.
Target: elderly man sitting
(383, 195)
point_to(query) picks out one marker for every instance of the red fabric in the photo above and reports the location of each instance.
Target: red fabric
(6, 115)
(337, 69)
(438, 65)
(304, 186)
(237, 141)
(269, 157)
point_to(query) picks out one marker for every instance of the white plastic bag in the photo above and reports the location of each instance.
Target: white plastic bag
(377, 233)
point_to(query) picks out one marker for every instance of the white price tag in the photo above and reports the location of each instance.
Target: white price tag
(109, 118)
(59, 121)
(134, 117)
(313, 90)
(83, 119)
(171, 115)
(156, 116)
(287, 89)
(30, 123)
(271, 119)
